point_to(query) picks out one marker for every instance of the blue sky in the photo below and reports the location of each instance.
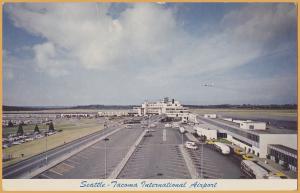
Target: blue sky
(96, 53)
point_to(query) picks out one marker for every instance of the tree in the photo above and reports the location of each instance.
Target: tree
(10, 124)
(20, 130)
(51, 126)
(36, 129)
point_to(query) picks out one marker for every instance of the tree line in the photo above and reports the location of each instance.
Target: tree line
(20, 130)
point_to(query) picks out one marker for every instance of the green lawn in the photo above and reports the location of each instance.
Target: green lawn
(71, 131)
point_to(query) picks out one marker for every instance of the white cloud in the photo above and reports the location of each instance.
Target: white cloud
(147, 50)
(47, 58)
(145, 36)
(9, 62)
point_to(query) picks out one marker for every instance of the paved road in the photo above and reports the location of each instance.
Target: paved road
(158, 156)
(25, 166)
(90, 163)
(212, 164)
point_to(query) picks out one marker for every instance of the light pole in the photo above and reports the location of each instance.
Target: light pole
(182, 138)
(202, 160)
(105, 161)
(46, 158)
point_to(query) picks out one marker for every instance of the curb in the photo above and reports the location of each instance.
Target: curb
(121, 165)
(189, 163)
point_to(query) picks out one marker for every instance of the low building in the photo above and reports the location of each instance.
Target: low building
(192, 118)
(227, 119)
(240, 121)
(212, 116)
(255, 141)
(112, 113)
(283, 155)
(253, 125)
(207, 132)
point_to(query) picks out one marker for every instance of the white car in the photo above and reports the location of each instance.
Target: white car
(191, 145)
(29, 139)
(167, 125)
(190, 142)
(16, 143)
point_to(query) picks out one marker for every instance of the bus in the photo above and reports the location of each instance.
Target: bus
(224, 149)
(251, 170)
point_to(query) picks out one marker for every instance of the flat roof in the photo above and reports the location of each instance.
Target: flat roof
(254, 122)
(207, 126)
(284, 148)
(270, 129)
(274, 130)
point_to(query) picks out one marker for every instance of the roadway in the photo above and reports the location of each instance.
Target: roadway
(26, 166)
(97, 161)
(157, 156)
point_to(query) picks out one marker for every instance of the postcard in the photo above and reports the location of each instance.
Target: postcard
(185, 96)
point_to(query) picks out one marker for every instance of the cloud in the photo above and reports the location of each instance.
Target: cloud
(146, 36)
(145, 47)
(49, 59)
(9, 63)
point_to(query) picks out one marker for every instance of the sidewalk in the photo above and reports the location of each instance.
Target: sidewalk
(276, 166)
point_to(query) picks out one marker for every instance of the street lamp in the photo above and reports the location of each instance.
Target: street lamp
(202, 160)
(105, 162)
(46, 156)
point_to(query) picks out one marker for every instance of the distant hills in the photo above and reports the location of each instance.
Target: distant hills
(41, 108)
(244, 106)
(222, 106)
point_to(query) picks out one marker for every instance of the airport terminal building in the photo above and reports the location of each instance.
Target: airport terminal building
(283, 155)
(253, 141)
(170, 108)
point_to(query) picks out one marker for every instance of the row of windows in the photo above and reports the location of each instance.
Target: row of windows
(242, 141)
(283, 157)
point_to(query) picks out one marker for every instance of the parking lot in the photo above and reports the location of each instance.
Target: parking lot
(212, 164)
(90, 163)
(158, 156)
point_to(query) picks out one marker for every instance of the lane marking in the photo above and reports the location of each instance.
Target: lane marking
(68, 165)
(164, 135)
(74, 162)
(80, 156)
(55, 172)
(44, 175)
(97, 147)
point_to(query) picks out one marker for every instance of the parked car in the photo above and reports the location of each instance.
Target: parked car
(239, 151)
(191, 145)
(167, 125)
(248, 157)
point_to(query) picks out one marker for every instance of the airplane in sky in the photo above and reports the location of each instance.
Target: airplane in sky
(208, 84)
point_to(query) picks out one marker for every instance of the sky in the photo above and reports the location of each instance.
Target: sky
(64, 54)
